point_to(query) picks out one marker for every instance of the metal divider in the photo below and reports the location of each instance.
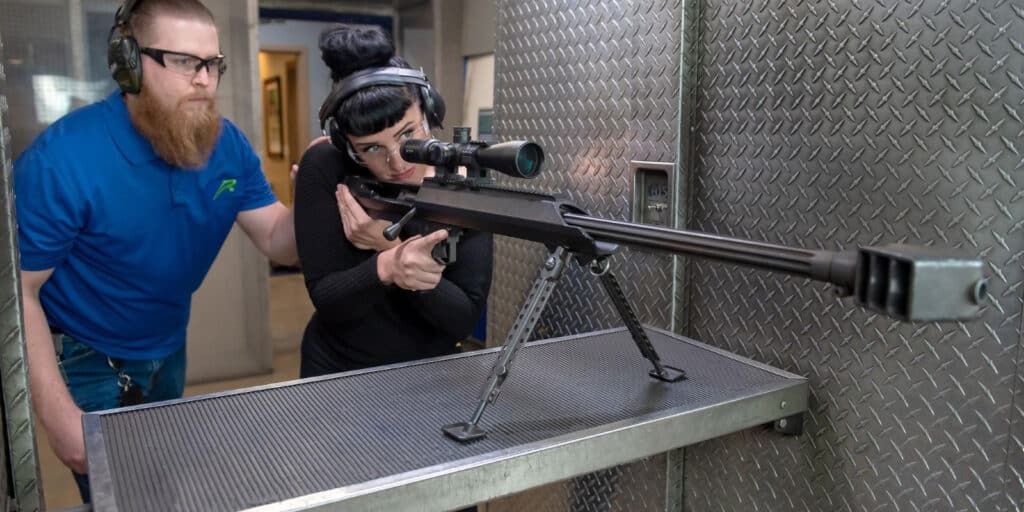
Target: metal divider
(21, 457)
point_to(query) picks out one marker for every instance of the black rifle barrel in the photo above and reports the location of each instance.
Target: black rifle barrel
(836, 268)
(904, 282)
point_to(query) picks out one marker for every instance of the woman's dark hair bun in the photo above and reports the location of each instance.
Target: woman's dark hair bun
(347, 49)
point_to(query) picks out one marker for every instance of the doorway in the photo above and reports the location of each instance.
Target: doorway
(282, 82)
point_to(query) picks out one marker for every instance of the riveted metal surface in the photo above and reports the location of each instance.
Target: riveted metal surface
(595, 83)
(838, 123)
(18, 424)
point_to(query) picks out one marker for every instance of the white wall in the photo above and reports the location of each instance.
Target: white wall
(448, 76)
(479, 90)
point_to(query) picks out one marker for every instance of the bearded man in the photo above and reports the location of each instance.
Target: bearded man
(122, 207)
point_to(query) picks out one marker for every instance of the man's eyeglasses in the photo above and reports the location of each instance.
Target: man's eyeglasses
(186, 63)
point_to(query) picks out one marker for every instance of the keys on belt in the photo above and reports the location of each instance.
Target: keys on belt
(131, 393)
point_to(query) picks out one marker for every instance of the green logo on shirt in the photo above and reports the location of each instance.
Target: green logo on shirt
(225, 186)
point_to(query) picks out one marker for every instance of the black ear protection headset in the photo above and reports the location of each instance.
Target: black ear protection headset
(123, 55)
(431, 103)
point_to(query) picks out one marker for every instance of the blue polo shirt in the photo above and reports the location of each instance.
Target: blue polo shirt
(129, 236)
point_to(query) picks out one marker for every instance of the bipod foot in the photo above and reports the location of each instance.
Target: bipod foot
(464, 432)
(668, 374)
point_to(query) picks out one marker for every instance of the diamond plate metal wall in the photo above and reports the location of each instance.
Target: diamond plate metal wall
(20, 456)
(1014, 474)
(829, 124)
(637, 486)
(595, 83)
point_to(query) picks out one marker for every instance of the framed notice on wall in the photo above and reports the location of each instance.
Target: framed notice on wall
(273, 124)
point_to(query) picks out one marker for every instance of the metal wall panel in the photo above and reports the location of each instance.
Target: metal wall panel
(627, 488)
(20, 443)
(833, 124)
(595, 83)
(1014, 474)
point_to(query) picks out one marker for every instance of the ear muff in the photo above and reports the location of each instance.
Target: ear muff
(123, 56)
(433, 106)
(332, 130)
(430, 100)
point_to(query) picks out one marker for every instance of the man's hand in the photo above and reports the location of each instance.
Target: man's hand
(361, 230)
(68, 442)
(410, 265)
(295, 167)
(56, 410)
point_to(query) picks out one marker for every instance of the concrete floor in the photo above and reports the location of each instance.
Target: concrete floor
(290, 309)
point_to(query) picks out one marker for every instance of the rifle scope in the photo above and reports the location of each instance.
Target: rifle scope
(519, 159)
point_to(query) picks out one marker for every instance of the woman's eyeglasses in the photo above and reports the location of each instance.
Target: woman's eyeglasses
(381, 154)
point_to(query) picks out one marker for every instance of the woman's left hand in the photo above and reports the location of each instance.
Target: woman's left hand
(361, 230)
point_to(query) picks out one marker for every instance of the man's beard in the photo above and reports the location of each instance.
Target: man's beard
(181, 137)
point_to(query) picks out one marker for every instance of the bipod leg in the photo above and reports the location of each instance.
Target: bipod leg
(528, 316)
(600, 268)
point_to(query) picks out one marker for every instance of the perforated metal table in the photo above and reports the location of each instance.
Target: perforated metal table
(372, 440)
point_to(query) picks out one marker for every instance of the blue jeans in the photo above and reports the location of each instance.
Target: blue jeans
(94, 386)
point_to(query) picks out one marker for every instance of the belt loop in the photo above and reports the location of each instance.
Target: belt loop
(58, 344)
(57, 334)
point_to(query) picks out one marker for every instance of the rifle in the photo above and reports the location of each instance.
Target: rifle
(901, 281)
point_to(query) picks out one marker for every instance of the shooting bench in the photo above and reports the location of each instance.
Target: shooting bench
(370, 439)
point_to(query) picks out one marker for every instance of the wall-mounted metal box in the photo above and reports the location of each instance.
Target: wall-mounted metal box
(652, 192)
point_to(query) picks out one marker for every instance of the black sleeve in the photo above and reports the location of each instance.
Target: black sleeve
(342, 280)
(455, 305)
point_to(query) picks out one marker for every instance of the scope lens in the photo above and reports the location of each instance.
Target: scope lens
(528, 160)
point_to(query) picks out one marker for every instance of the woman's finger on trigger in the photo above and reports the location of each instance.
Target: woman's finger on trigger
(432, 239)
(422, 244)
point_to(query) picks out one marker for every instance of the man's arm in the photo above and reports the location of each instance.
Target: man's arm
(57, 411)
(272, 229)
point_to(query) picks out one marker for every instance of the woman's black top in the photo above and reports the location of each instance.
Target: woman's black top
(359, 321)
